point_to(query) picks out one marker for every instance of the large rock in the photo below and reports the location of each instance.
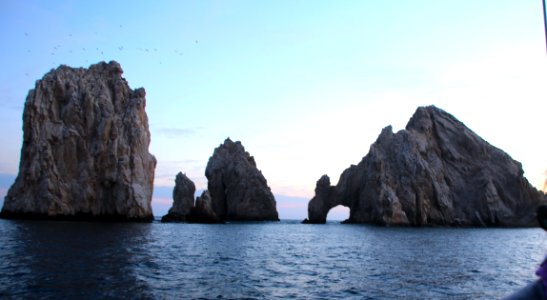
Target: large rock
(183, 199)
(85, 149)
(203, 212)
(435, 172)
(239, 191)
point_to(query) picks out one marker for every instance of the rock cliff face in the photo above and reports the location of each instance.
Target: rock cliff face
(183, 199)
(238, 189)
(85, 149)
(435, 172)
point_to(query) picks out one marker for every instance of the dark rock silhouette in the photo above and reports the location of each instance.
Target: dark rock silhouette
(239, 191)
(85, 149)
(435, 172)
(203, 212)
(183, 199)
(320, 205)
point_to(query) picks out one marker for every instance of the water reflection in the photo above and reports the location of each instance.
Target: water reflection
(74, 260)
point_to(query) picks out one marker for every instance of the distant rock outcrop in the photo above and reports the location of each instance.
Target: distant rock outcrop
(203, 212)
(435, 172)
(85, 149)
(183, 199)
(238, 189)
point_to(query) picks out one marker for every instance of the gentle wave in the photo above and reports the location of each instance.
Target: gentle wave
(263, 261)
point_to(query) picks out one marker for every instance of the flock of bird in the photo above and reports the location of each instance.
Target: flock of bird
(101, 53)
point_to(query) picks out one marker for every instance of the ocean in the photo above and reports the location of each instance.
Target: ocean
(279, 260)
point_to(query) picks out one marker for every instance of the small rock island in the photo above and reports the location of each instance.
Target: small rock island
(183, 199)
(85, 149)
(434, 172)
(237, 191)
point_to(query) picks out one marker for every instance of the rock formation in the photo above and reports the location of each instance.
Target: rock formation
(320, 205)
(203, 212)
(239, 191)
(85, 149)
(435, 172)
(183, 199)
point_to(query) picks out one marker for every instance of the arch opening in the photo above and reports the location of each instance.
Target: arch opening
(338, 213)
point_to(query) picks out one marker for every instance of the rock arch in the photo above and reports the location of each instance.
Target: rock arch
(323, 201)
(436, 171)
(339, 213)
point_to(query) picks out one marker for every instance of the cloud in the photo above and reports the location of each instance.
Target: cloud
(178, 133)
(545, 183)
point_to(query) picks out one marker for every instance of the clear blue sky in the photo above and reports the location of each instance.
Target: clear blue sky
(305, 85)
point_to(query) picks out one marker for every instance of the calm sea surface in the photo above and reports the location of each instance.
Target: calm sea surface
(262, 261)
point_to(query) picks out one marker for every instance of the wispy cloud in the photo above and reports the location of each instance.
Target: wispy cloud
(178, 133)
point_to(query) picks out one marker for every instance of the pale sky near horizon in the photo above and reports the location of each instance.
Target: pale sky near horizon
(306, 86)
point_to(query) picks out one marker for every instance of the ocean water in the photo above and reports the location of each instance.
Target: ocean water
(40, 259)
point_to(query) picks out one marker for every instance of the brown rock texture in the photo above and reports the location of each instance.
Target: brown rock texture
(85, 149)
(239, 191)
(434, 172)
(183, 199)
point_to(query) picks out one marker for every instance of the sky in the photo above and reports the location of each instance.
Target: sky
(306, 86)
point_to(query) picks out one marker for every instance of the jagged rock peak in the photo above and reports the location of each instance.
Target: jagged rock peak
(230, 149)
(85, 149)
(435, 172)
(238, 189)
(183, 199)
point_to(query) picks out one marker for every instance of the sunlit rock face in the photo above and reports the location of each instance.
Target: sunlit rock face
(85, 149)
(434, 172)
(239, 191)
(183, 199)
